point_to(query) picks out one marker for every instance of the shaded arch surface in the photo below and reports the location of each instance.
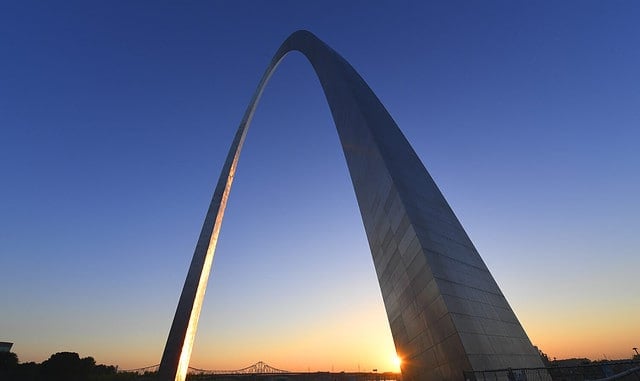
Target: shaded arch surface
(446, 312)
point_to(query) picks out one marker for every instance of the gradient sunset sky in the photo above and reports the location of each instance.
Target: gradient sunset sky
(116, 116)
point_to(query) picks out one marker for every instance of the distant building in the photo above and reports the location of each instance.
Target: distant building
(5, 347)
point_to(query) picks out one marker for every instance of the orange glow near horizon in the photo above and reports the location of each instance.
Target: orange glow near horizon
(358, 339)
(579, 331)
(364, 347)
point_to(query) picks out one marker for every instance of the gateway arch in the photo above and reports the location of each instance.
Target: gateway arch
(446, 312)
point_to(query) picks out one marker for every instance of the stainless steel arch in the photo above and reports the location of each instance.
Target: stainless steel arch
(446, 312)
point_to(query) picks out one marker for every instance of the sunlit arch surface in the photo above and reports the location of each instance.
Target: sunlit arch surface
(446, 312)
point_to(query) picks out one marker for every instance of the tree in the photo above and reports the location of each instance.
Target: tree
(8, 361)
(66, 366)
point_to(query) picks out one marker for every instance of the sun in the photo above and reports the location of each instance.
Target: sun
(397, 361)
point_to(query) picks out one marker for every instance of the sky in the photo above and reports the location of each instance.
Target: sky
(115, 119)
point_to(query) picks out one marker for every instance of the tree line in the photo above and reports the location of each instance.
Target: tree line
(61, 366)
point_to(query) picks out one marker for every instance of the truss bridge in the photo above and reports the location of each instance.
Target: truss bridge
(258, 368)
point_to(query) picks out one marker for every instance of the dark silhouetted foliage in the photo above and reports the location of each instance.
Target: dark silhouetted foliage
(64, 366)
(67, 366)
(8, 361)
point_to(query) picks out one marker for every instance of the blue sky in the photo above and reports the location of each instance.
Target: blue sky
(115, 118)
